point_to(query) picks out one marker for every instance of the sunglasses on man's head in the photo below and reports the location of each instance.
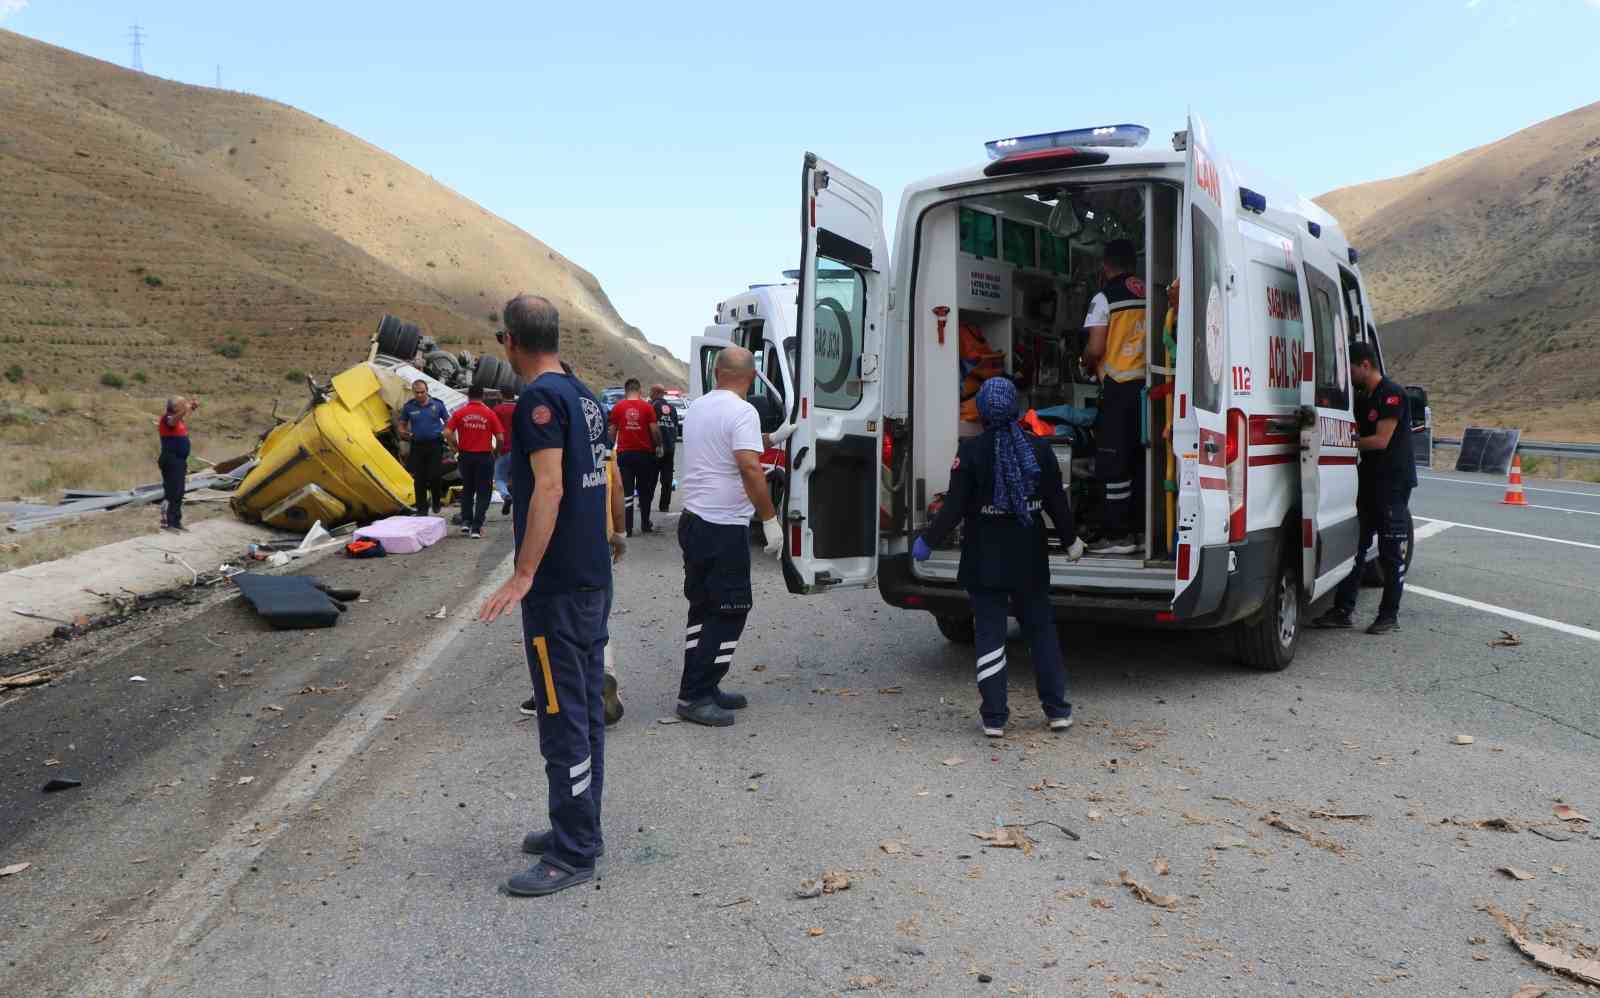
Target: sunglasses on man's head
(500, 336)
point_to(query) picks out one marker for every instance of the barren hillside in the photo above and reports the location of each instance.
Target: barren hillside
(1485, 274)
(181, 239)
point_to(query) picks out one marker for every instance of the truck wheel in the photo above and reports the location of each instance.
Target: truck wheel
(398, 338)
(1372, 572)
(957, 629)
(489, 372)
(1268, 640)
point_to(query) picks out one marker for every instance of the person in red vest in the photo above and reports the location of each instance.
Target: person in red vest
(173, 429)
(474, 432)
(636, 435)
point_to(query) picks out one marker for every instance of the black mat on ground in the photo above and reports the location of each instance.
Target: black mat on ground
(288, 602)
(1487, 450)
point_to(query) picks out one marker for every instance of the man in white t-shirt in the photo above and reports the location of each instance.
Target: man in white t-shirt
(723, 486)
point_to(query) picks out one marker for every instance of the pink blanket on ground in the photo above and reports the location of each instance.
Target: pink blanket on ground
(405, 534)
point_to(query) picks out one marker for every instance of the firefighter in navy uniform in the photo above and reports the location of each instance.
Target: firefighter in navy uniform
(1000, 482)
(1117, 323)
(563, 582)
(1387, 474)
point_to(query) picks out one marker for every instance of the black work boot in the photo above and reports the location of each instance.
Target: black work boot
(535, 843)
(729, 701)
(1334, 618)
(1383, 625)
(705, 712)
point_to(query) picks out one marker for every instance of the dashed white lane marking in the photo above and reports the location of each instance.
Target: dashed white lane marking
(1500, 611)
(1564, 509)
(1511, 533)
(1501, 485)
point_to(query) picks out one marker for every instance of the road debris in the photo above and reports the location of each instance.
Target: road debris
(1007, 837)
(864, 982)
(1278, 822)
(890, 691)
(1339, 815)
(1161, 866)
(137, 679)
(831, 882)
(891, 847)
(1505, 640)
(815, 931)
(1145, 894)
(1531, 991)
(1464, 739)
(1493, 824)
(437, 616)
(1514, 873)
(1048, 784)
(1096, 857)
(1547, 956)
(245, 781)
(1549, 833)
(61, 783)
(13, 869)
(37, 677)
(1566, 812)
(669, 720)
(954, 760)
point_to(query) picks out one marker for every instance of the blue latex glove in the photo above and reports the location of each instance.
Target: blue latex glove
(920, 550)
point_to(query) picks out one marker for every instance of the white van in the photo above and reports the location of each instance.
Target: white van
(1263, 481)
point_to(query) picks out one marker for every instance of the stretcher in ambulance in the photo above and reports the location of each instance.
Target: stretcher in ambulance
(1246, 497)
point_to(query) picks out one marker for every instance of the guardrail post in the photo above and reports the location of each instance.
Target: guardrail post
(1561, 466)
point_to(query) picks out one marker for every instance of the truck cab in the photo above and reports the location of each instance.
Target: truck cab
(1248, 437)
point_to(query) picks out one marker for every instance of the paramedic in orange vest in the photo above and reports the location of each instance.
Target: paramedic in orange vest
(1116, 325)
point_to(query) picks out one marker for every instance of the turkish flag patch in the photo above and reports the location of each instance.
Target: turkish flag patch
(1136, 286)
(1392, 400)
(956, 463)
(1372, 417)
(541, 415)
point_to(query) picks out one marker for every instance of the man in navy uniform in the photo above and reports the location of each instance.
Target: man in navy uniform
(1386, 476)
(563, 583)
(666, 466)
(421, 420)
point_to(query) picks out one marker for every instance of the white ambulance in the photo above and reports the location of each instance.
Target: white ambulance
(1253, 392)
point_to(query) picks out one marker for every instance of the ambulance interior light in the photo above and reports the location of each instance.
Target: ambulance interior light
(1123, 136)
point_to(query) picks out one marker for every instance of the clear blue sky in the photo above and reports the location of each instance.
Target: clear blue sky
(659, 144)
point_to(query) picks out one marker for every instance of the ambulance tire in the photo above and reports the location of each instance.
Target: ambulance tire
(958, 630)
(1268, 640)
(398, 338)
(1372, 572)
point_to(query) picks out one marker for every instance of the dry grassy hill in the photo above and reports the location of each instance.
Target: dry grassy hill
(158, 238)
(1485, 274)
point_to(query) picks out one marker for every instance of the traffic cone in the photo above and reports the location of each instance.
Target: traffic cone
(1514, 496)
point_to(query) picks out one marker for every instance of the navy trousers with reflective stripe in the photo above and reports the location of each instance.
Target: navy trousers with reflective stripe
(716, 581)
(990, 610)
(637, 468)
(1119, 460)
(1389, 520)
(565, 636)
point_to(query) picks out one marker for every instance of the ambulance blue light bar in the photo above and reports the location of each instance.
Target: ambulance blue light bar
(1124, 136)
(1249, 200)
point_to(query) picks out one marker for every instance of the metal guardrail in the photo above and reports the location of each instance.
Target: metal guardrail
(1559, 451)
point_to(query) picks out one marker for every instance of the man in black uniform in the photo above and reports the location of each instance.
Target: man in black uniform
(667, 419)
(563, 583)
(999, 484)
(1387, 474)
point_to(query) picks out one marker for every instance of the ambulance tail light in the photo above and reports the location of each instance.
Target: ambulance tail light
(1238, 468)
(888, 450)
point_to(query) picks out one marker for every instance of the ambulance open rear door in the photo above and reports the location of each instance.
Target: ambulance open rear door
(1328, 525)
(831, 511)
(1200, 425)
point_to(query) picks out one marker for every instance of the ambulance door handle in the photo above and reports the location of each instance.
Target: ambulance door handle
(1210, 447)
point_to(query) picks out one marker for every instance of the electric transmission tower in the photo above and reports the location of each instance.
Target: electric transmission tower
(136, 42)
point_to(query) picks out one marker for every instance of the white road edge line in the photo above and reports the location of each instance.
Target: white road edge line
(1512, 533)
(1500, 485)
(181, 917)
(1564, 509)
(1430, 528)
(1526, 618)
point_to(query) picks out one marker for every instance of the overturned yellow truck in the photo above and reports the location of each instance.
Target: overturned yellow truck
(340, 459)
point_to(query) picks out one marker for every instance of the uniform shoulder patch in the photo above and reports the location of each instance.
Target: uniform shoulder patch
(541, 415)
(1136, 285)
(1392, 400)
(1372, 416)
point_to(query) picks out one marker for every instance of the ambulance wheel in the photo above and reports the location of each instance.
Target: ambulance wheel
(1372, 572)
(1268, 640)
(959, 630)
(398, 338)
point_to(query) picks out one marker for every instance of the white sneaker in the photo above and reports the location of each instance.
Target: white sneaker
(994, 732)
(1060, 723)
(465, 531)
(475, 535)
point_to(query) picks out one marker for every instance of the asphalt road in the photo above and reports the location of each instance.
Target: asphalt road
(365, 855)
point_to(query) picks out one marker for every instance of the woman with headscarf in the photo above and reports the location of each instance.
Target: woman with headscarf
(1000, 483)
